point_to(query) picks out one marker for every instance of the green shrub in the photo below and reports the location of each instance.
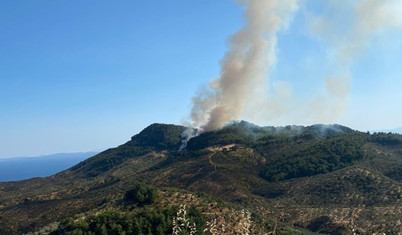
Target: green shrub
(146, 221)
(141, 194)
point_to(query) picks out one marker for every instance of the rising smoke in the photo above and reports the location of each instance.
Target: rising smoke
(347, 28)
(240, 89)
(245, 65)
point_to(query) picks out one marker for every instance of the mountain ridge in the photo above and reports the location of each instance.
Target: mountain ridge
(318, 170)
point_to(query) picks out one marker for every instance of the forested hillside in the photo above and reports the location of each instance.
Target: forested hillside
(292, 179)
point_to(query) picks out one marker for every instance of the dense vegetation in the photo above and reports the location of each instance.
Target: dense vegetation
(147, 222)
(160, 137)
(326, 156)
(229, 135)
(388, 139)
(141, 194)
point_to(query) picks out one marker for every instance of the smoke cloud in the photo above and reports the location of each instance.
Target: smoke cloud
(245, 65)
(240, 91)
(347, 28)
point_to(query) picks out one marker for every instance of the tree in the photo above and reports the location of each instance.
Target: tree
(141, 194)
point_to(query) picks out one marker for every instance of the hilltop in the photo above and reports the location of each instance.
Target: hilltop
(320, 178)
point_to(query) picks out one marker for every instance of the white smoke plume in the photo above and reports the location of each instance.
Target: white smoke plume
(245, 65)
(346, 28)
(351, 36)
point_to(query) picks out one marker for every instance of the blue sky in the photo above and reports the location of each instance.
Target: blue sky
(87, 75)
